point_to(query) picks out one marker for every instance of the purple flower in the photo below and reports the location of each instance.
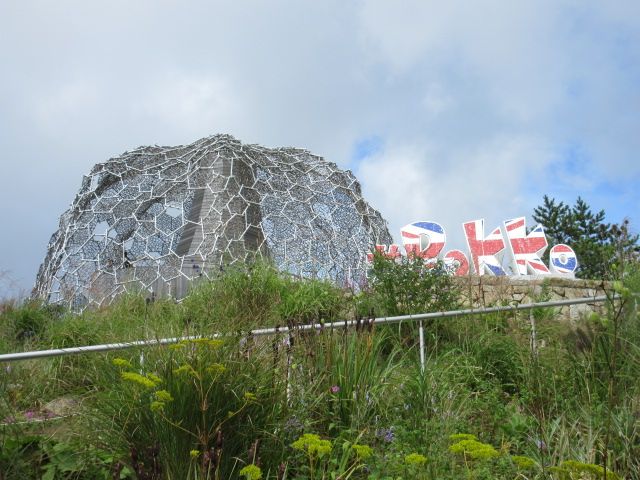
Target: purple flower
(386, 434)
(29, 414)
(540, 444)
(334, 389)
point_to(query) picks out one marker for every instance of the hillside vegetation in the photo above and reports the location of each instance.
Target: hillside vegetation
(493, 401)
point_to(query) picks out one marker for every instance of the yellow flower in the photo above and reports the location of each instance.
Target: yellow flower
(415, 459)
(250, 397)
(216, 368)
(156, 406)
(186, 368)
(251, 472)
(323, 447)
(362, 451)
(154, 378)
(137, 378)
(582, 469)
(313, 445)
(194, 453)
(121, 362)
(164, 396)
(523, 463)
(215, 343)
(475, 449)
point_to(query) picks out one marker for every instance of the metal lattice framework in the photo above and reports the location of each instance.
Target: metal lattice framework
(156, 218)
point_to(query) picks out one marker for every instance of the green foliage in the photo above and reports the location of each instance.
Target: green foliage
(333, 403)
(408, 285)
(28, 321)
(601, 247)
(499, 356)
(36, 456)
(260, 296)
(199, 395)
(315, 457)
(246, 294)
(574, 470)
(311, 301)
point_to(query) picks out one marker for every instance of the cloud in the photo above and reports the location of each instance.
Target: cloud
(194, 105)
(68, 101)
(410, 184)
(445, 110)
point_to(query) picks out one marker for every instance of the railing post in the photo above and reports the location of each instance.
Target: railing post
(421, 347)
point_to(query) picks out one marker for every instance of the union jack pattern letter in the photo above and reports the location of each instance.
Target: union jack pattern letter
(391, 252)
(456, 262)
(563, 260)
(484, 251)
(425, 239)
(526, 249)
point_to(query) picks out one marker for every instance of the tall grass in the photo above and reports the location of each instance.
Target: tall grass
(323, 404)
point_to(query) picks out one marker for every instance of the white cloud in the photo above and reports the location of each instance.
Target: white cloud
(194, 105)
(410, 184)
(475, 102)
(437, 100)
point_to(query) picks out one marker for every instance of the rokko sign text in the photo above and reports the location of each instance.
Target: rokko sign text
(427, 240)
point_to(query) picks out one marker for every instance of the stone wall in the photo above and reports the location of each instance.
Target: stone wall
(488, 291)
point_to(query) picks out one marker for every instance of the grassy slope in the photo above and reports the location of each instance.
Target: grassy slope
(576, 400)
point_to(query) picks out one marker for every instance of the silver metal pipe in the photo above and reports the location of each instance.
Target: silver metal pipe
(11, 357)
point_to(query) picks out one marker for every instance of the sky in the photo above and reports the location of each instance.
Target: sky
(445, 111)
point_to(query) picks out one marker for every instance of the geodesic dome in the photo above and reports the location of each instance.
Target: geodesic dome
(157, 218)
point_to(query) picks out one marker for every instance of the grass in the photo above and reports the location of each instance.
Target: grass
(327, 404)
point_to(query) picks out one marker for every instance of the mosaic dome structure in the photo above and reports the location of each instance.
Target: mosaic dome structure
(157, 218)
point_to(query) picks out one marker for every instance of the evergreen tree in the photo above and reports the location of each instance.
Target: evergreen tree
(598, 245)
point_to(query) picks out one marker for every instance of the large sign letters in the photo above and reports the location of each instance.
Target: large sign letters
(427, 239)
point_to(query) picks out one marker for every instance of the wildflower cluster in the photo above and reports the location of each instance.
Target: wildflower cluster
(523, 463)
(148, 381)
(312, 445)
(216, 369)
(570, 469)
(162, 397)
(468, 445)
(415, 459)
(251, 472)
(121, 362)
(186, 369)
(363, 452)
(386, 434)
(154, 378)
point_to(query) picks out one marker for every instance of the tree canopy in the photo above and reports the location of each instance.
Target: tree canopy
(603, 249)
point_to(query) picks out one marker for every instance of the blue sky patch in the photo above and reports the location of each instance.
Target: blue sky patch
(367, 147)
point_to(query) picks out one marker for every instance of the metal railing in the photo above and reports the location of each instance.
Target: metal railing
(12, 357)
